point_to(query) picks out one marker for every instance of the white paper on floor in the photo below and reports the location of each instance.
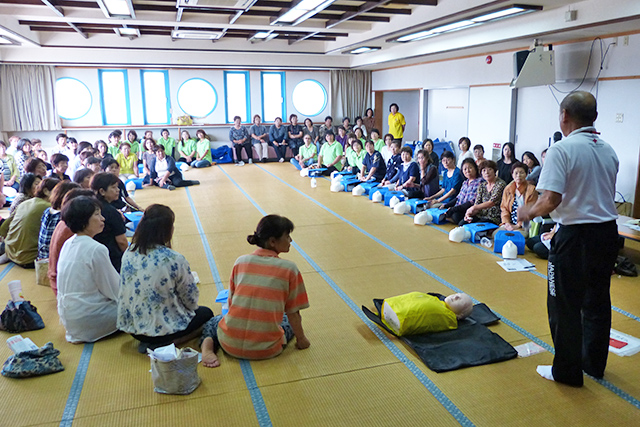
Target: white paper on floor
(623, 344)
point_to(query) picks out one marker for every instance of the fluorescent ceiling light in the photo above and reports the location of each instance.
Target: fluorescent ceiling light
(127, 32)
(5, 41)
(363, 49)
(196, 34)
(117, 8)
(510, 11)
(302, 11)
(263, 36)
(498, 14)
(15, 38)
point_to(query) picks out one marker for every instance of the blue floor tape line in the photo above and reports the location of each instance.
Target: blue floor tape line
(205, 243)
(262, 414)
(76, 387)
(6, 270)
(630, 399)
(429, 385)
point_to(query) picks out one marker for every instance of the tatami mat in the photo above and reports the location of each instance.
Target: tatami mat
(351, 252)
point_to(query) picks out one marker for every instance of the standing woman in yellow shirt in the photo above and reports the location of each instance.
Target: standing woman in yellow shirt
(396, 122)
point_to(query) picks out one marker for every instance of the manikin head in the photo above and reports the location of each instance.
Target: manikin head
(460, 304)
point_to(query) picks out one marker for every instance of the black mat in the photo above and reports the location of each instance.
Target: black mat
(471, 344)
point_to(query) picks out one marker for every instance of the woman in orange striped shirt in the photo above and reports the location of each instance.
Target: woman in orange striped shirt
(266, 294)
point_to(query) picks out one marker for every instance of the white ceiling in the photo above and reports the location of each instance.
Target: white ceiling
(55, 42)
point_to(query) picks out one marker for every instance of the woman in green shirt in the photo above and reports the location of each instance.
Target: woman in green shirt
(132, 137)
(186, 149)
(203, 151)
(167, 142)
(9, 168)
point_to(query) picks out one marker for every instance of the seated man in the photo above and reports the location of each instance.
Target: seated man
(373, 164)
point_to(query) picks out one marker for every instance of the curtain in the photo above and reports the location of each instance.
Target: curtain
(27, 98)
(350, 94)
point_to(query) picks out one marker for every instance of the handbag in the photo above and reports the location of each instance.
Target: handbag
(177, 376)
(625, 267)
(33, 363)
(20, 316)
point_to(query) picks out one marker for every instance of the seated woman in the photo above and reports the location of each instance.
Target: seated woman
(186, 149)
(464, 144)
(164, 173)
(158, 298)
(373, 167)
(355, 156)
(36, 166)
(128, 162)
(83, 177)
(28, 185)
(359, 134)
(51, 217)
(478, 153)
(61, 234)
(9, 168)
(21, 242)
(149, 153)
(264, 309)
(105, 186)
(517, 193)
(123, 201)
(488, 198)
(330, 155)
(542, 244)
(468, 192)
(167, 142)
(307, 154)
(203, 151)
(278, 138)
(427, 184)
(408, 176)
(87, 282)
(23, 154)
(60, 164)
(530, 159)
(240, 138)
(103, 150)
(504, 164)
(387, 151)
(427, 146)
(451, 182)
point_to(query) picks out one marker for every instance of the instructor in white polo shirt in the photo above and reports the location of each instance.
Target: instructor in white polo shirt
(578, 181)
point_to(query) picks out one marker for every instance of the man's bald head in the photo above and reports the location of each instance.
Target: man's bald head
(581, 108)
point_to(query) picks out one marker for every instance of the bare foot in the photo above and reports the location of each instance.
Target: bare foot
(209, 358)
(302, 343)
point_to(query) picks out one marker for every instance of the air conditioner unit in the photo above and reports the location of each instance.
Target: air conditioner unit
(215, 4)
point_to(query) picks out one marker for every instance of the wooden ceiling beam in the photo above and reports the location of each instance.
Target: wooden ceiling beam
(366, 7)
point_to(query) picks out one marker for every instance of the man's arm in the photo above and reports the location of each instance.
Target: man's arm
(295, 319)
(545, 204)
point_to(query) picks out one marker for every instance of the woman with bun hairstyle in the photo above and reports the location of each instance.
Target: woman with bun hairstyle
(266, 294)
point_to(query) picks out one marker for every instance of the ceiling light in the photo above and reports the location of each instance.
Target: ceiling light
(363, 49)
(122, 9)
(302, 11)
(127, 32)
(263, 36)
(498, 14)
(196, 34)
(5, 41)
(15, 38)
(507, 12)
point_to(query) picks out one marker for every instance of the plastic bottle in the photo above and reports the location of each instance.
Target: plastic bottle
(486, 242)
(314, 182)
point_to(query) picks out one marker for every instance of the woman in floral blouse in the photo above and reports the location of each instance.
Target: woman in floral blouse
(158, 299)
(489, 196)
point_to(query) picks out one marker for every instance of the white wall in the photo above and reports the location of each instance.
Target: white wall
(488, 107)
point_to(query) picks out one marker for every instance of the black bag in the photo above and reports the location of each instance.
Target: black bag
(19, 317)
(33, 363)
(625, 267)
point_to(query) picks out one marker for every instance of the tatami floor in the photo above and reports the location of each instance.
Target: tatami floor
(349, 251)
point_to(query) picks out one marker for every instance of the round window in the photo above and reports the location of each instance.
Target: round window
(309, 98)
(197, 97)
(73, 98)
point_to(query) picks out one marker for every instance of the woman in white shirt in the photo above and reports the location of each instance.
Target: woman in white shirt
(464, 144)
(87, 281)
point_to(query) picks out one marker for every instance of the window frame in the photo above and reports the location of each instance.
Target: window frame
(247, 96)
(212, 87)
(324, 90)
(90, 98)
(283, 93)
(125, 74)
(166, 92)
